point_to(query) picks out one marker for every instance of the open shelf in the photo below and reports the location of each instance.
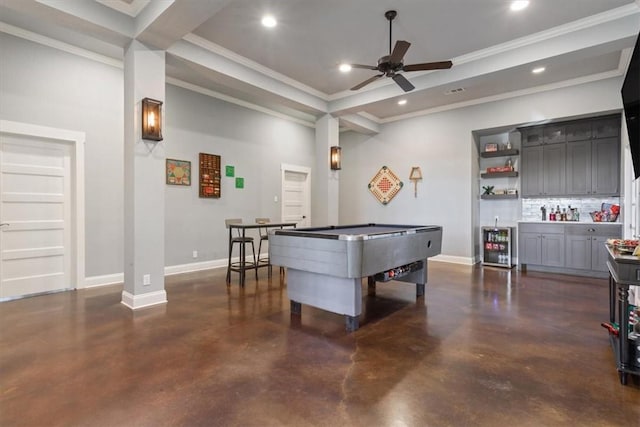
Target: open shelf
(512, 174)
(499, 153)
(498, 196)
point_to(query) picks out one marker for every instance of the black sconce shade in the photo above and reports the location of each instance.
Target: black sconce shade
(151, 119)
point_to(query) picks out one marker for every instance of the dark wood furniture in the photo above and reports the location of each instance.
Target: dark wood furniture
(624, 271)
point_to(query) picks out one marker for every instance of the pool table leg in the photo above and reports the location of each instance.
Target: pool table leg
(296, 308)
(371, 286)
(352, 322)
(419, 289)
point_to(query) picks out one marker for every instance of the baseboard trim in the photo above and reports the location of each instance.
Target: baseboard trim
(107, 279)
(453, 259)
(135, 302)
(118, 278)
(194, 266)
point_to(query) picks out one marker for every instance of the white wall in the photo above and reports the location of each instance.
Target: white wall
(442, 145)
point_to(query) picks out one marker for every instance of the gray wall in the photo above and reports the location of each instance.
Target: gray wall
(255, 143)
(442, 145)
(48, 87)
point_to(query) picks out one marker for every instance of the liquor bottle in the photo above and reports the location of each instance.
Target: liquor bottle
(563, 215)
(552, 215)
(569, 213)
(544, 213)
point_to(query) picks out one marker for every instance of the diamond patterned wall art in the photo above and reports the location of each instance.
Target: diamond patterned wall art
(385, 185)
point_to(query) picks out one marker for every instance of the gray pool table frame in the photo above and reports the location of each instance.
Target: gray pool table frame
(326, 264)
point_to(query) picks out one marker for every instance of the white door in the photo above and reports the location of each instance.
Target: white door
(296, 195)
(35, 210)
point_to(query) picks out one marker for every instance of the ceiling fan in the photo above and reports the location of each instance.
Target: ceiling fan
(390, 65)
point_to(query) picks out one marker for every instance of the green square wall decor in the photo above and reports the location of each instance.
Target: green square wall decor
(239, 182)
(229, 171)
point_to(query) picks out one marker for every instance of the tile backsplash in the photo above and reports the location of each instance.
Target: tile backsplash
(531, 207)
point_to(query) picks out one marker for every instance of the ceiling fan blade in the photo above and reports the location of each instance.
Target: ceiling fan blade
(403, 83)
(366, 82)
(443, 65)
(399, 50)
(366, 67)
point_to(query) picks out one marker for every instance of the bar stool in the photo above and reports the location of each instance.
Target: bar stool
(264, 236)
(241, 265)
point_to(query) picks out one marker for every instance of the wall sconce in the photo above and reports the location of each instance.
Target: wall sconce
(151, 119)
(335, 158)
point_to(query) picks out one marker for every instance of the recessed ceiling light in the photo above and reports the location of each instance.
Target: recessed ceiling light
(269, 21)
(345, 68)
(402, 102)
(538, 70)
(519, 4)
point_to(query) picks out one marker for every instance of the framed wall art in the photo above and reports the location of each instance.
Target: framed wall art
(178, 172)
(385, 185)
(209, 176)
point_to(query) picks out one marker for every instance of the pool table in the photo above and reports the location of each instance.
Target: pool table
(325, 265)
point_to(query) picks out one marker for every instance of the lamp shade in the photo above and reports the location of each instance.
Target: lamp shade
(334, 157)
(151, 119)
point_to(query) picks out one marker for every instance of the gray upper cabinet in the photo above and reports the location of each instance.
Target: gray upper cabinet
(579, 168)
(579, 131)
(605, 171)
(606, 128)
(532, 136)
(531, 171)
(554, 134)
(577, 158)
(554, 159)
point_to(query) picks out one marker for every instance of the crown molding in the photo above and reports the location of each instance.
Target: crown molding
(508, 95)
(56, 44)
(236, 101)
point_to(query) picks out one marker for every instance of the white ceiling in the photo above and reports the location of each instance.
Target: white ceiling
(219, 47)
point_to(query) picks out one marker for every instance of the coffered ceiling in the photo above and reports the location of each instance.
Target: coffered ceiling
(219, 47)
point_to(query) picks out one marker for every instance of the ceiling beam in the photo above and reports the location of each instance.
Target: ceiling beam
(161, 24)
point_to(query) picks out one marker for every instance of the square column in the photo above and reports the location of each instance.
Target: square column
(326, 185)
(144, 169)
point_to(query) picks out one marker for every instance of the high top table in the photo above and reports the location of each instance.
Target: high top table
(624, 271)
(242, 268)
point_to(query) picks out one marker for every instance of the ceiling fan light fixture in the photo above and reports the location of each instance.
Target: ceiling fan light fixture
(517, 5)
(269, 21)
(345, 68)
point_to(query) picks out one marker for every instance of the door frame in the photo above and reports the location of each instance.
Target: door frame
(298, 169)
(76, 140)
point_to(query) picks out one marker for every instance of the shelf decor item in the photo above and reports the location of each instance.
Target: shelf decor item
(178, 172)
(488, 190)
(415, 176)
(385, 185)
(490, 147)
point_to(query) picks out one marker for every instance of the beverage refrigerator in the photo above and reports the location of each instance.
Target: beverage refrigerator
(497, 244)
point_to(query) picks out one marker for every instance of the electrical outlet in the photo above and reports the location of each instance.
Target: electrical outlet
(195, 254)
(146, 279)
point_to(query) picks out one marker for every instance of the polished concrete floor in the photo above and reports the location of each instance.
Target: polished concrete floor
(485, 347)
